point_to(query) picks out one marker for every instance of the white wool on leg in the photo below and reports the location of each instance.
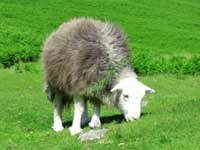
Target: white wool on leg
(85, 119)
(78, 112)
(57, 116)
(95, 121)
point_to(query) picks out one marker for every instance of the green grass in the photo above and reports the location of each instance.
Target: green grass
(170, 121)
(158, 30)
(163, 37)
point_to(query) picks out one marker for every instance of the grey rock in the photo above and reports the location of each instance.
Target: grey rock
(93, 134)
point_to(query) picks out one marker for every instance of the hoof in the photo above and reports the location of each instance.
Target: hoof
(58, 128)
(95, 123)
(74, 131)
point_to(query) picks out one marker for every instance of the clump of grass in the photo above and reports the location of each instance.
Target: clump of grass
(27, 67)
(142, 62)
(11, 57)
(145, 63)
(101, 83)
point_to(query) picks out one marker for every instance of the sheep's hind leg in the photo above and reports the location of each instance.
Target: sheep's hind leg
(78, 112)
(85, 119)
(58, 106)
(95, 121)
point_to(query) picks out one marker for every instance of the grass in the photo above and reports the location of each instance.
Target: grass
(163, 37)
(159, 30)
(170, 121)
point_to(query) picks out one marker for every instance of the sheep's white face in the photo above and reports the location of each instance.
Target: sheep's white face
(131, 95)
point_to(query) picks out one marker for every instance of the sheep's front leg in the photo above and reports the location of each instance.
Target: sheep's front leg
(78, 112)
(58, 106)
(95, 121)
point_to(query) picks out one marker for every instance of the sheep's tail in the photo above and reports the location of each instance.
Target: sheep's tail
(50, 92)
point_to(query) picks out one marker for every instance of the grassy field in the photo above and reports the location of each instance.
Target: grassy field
(158, 30)
(170, 121)
(163, 37)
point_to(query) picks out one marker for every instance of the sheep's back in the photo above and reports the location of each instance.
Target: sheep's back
(74, 58)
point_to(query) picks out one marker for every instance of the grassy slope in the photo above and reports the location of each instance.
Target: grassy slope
(157, 27)
(170, 120)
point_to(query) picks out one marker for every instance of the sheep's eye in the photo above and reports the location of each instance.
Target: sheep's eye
(126, 96)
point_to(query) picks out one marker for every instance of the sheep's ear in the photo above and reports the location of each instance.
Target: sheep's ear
(149, 90)
(116, 87)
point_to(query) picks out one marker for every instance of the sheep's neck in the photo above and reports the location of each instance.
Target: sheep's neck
(125, 72)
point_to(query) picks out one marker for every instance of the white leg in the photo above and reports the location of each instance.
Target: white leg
(95, 121)
(85, 119)
(78, 112)
(57, 125)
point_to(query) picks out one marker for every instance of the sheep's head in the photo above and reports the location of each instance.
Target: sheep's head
(131, 93)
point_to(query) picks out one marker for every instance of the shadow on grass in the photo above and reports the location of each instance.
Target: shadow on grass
(105, 120)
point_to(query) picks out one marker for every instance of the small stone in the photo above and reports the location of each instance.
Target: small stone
(93, 134)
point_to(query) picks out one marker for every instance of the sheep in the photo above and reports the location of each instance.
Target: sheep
(87, 59)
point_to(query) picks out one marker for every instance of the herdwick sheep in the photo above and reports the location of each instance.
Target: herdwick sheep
(87, 59)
